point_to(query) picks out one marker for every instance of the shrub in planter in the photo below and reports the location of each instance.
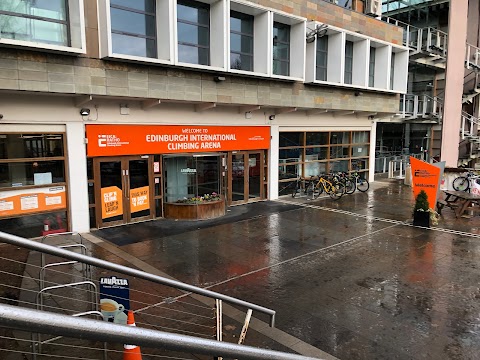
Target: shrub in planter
(421, 211)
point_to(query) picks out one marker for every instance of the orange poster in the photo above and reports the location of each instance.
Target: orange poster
(112, 140)
(139, 199)
(112, 202)
(426, 177)
(26, 201)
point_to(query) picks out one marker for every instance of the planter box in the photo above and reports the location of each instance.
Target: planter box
(421, 218)
(202, 211)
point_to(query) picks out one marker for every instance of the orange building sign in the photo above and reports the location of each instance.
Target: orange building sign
(112, 202)
(26, 201)
(425, 177)
(139, 199)
(112, 140)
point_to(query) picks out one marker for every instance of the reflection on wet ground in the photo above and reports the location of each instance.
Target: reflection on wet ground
(350, 277)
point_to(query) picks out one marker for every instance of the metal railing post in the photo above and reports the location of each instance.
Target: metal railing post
(24, 319)
(33, 245)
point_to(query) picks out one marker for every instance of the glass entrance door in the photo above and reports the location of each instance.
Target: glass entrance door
(246, 177)
(123, 192)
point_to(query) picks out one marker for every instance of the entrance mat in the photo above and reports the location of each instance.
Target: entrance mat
(160, 228)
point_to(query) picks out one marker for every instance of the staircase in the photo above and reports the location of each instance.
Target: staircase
(428, 46)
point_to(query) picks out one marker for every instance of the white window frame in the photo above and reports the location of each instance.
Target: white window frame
(401, 68)
(261, 37)
(219, 19)
(297, 45)
(382, 65)
(336, 61)
(76, 15)
(164, 10)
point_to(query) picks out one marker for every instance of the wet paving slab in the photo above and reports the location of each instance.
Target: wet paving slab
(350, 277)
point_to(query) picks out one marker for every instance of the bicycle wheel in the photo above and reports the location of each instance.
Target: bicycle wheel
(349, 186)
(317, 190)
(296, 189)
(461, 183)
(337, 191)
(362, 185)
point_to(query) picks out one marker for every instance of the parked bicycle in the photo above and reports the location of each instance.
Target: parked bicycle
(463, 183)
(353, 182)
(303, 186)
(334, 189)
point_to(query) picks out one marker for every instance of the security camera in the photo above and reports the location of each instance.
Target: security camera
(1, 116)
(85, 112)
(271, 117)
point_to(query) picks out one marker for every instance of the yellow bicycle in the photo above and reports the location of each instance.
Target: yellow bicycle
(334, 189)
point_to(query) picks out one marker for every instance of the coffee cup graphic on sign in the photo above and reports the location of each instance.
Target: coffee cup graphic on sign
(110, 309)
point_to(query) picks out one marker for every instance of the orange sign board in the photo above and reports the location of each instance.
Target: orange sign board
(112, 140)
(425, 177)
(139, 199)
(26, 201)
(112, 202)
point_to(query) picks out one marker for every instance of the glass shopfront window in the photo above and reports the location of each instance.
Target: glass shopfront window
(33, 180)
(304, 154)
(191, 176)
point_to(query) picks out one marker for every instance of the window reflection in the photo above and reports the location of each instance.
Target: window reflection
(322, 58)
(193, 23)
(241, 41)
(281, 49)
(188, 176)
(133, 27)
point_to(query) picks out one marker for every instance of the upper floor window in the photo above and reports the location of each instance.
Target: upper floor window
(347, 4)
(348, 62)
(281, 49)
(371, 68)
(133, 27)
(322, 58)
(193, 22)
(43, 21)
(392, 70)
(241, 41)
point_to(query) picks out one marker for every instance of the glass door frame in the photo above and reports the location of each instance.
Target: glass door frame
(246, 177)
(125, 175)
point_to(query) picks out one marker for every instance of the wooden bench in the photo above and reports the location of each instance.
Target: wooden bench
(442, 203)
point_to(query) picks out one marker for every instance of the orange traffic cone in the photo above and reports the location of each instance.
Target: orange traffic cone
(131, 352)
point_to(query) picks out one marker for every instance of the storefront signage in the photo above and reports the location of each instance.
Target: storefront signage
(188, 171)
(139, 199)
(111, 140)
(114, 299)
(112, 202)
(25, 201)
(425, 177)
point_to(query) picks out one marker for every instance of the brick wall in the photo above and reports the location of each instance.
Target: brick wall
(331, 14)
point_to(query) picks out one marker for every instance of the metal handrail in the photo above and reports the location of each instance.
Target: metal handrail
(63, 325)
(52, 250)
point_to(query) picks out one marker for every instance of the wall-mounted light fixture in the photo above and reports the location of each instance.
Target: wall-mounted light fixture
(84, 111)
(219, 78)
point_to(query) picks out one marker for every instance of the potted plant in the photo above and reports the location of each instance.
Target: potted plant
(421, 211)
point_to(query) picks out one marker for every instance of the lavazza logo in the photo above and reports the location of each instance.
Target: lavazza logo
(109, 140)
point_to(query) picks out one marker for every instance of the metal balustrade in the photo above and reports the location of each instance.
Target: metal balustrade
(160, 303)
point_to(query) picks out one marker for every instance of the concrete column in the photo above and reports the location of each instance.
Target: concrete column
(77, 173)
(457, 37)
(371, 160)
(273, 163)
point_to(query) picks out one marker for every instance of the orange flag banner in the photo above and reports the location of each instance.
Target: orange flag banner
(425, 177)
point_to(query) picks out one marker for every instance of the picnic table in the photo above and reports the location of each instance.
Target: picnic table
(459, 201)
